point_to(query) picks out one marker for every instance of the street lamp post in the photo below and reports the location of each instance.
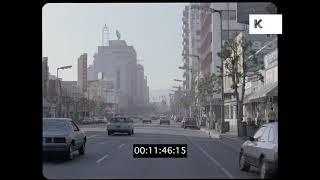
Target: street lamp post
(58, 100)
(211, 10)
(178, 80)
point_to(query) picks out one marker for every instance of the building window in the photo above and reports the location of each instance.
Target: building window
(198, 32)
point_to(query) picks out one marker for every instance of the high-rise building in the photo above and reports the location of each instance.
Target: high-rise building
(71, 89)
(191, 44)
(119, 61)
(140, 84)
(194, 39)
(146, 91)
(82, 72)
(185, 43)
(90, 73)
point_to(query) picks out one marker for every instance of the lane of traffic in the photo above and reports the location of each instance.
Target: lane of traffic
(225, 155)
(87, 163)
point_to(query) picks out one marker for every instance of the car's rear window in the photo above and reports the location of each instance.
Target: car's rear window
(121, 120)
(54, 125)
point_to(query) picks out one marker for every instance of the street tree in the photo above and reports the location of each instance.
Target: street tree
(208, 86)
(240, 62)
(186, 99)
(271, 8)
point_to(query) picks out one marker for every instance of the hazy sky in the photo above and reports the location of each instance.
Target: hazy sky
(155, 31)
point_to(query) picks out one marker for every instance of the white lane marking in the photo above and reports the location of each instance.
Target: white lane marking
(121, 146)
(91, 136)
(101, 159)
(212, 159)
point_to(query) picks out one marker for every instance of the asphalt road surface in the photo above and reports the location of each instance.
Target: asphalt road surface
(110, 157)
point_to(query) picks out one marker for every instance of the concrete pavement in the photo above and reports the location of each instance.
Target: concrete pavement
(111, 157)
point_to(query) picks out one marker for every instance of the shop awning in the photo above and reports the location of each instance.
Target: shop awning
(266, 90)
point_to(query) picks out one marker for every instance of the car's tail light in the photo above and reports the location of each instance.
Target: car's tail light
(59, 140)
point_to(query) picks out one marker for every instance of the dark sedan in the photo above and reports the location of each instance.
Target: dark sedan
(189, 123)
(146, 121)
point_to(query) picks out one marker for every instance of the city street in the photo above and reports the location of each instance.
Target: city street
(111, 156)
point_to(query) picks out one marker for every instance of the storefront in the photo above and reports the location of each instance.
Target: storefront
(261, 101)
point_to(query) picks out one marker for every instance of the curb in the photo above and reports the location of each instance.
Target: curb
(211, 133)
(238, 141)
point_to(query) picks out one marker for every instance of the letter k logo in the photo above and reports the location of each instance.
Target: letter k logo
(257, 23)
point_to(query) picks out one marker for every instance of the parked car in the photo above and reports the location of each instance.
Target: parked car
(154, 117)
(147, 121)
(164, 120)
(178, 118)
(62, 135)
(120, 124)
(189, 123)
(87, 120)
(100, 119)
(261, 151)
(135, 119)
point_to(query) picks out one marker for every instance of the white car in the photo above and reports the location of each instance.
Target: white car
(120, 124)
(100, 119)
(261, 151)
(62, 135)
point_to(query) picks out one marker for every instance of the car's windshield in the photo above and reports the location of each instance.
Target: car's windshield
(259, 132)
(54, 125)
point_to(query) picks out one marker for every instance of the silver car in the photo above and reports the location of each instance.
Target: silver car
(62, 135)
(261, 151)
(120, 124)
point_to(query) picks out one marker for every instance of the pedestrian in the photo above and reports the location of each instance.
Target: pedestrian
(258, 117)
(272, 115)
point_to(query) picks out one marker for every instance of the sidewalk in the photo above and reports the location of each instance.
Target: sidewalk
(230, 136)
(211, 132)
(233, 136)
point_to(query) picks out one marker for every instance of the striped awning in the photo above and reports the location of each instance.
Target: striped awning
(266, 90)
